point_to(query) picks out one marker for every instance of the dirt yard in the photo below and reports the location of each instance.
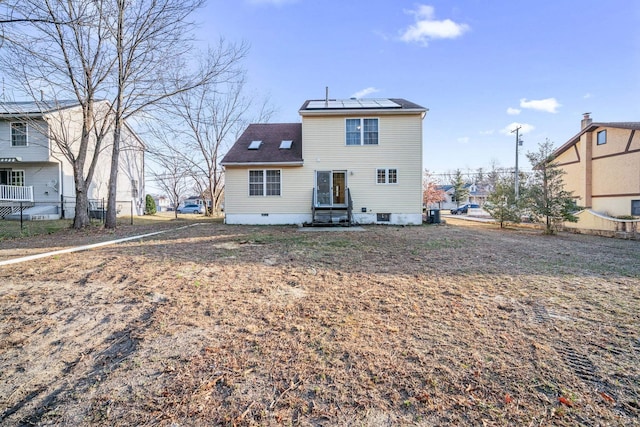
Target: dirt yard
(462, 324)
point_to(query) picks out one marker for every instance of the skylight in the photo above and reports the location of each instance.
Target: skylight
(255, 145)
(286, 145)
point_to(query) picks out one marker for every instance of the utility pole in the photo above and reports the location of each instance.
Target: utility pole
(518, 143)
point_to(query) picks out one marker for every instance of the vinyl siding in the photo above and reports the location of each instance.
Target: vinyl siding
(399, 147)
(44, 180)
(295, 192)
(37, 148)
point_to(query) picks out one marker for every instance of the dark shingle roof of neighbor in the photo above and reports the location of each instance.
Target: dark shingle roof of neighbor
(271, 135)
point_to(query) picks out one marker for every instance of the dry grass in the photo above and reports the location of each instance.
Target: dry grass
(462, 324)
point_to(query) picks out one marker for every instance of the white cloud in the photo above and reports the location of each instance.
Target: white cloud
(587, 96)
(364, 92)
(513, 111)
(427, 28)
(487, 132)
(550, 105)
(463, 140)
(524, 128)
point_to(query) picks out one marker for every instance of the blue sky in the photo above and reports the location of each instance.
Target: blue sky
(479, 66)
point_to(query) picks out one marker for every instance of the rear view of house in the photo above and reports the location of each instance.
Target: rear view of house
(353, 161)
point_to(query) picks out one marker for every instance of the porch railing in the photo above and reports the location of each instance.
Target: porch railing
(16, 193)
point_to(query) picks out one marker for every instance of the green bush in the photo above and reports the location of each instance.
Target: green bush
(150, 205)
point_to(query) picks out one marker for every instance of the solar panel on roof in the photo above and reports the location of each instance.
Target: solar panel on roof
(352, 104)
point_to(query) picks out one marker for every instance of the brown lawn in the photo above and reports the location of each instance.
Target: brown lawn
(462, 324)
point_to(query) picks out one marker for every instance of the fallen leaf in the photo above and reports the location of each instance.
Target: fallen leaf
(565, 401)
(608, 398)
(507, 398)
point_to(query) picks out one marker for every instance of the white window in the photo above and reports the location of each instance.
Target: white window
(17, 178)
(387, 176)
(362, 132)
(264, 182)
(18, 134)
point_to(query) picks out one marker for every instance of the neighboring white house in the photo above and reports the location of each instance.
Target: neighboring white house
(34, 172)
(353, 161)
(477, 195)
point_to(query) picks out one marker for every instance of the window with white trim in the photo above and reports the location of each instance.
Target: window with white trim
(387, 176)
(362, 131)
(18, 134)
(17, 178)
(266, 182)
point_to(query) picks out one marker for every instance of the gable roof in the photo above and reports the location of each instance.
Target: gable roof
(343, 106)
(269, 151)
(590, 128)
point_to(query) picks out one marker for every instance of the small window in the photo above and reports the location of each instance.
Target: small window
(18, 134)
(362, 131)
(265, 183)
(635, 207)
(286, 145)
(383, 217)
(255, 145)
(387, 176)
(602, 137)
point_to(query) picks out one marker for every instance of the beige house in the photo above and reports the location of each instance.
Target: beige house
(353, 161)
(35, 174)
(602, 165)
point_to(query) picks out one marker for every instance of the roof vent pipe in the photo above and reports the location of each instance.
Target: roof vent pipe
(326, 96)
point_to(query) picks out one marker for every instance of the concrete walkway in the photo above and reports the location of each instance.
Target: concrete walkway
(470, 218)
(86, 247)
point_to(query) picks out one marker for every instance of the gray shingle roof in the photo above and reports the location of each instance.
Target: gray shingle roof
(271, 135)
(31, 107)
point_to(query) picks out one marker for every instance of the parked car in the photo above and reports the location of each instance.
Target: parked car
(463, 209)
(195, 209)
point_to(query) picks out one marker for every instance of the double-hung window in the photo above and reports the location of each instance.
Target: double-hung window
(362, 132)
(18, 134)
(386, 176)
(265, 182)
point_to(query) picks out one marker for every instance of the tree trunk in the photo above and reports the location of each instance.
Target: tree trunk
(81, 218)
(111, 219)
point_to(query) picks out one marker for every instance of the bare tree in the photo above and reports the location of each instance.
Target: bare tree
(151, 38)
(132, 53)
(170, 173)
(213, 116)
(62, 54)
